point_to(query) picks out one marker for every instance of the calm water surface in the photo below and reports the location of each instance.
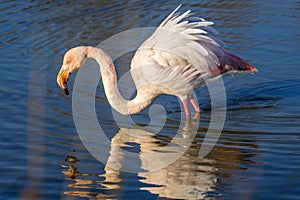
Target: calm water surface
(42, 156)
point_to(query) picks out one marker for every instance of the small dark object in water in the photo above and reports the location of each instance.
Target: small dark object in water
(71, 159)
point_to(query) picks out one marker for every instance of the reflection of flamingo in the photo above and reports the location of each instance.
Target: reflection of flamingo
(173, 171)
(169, 168)
(180, 56)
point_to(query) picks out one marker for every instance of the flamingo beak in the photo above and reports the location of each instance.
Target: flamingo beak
(62, 80)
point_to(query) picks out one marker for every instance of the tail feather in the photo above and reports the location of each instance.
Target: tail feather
(235, 63)
(238, 63)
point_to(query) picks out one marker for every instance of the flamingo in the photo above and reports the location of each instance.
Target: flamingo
(181, 55)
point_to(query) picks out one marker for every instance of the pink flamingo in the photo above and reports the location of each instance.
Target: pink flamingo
(181, 55)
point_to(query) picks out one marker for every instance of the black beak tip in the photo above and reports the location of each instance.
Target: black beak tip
(66, 91)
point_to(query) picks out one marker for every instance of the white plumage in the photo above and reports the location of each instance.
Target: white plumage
(184, 37)
(181, 55)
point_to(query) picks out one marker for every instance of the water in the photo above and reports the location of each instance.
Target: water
(42, 156)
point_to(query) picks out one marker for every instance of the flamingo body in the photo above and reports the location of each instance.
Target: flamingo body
(181, 55)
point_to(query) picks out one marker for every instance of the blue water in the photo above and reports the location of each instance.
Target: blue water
(257, 155)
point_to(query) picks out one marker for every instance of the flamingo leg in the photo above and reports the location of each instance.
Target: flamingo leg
(197, 115)
(186, 107)
(195, 104)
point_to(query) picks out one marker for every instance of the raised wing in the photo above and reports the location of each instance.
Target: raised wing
(181, 40)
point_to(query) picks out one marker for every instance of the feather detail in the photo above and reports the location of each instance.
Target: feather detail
(190, 45)
(189, 38)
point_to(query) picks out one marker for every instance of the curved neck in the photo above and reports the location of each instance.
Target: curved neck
(144, 97)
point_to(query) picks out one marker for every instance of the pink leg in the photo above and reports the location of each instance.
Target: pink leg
(197, 115)
(195, 104)
(186, 107)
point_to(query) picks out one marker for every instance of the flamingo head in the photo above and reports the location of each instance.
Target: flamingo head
(73, 60)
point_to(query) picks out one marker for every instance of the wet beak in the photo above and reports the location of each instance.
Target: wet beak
(62, 80)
